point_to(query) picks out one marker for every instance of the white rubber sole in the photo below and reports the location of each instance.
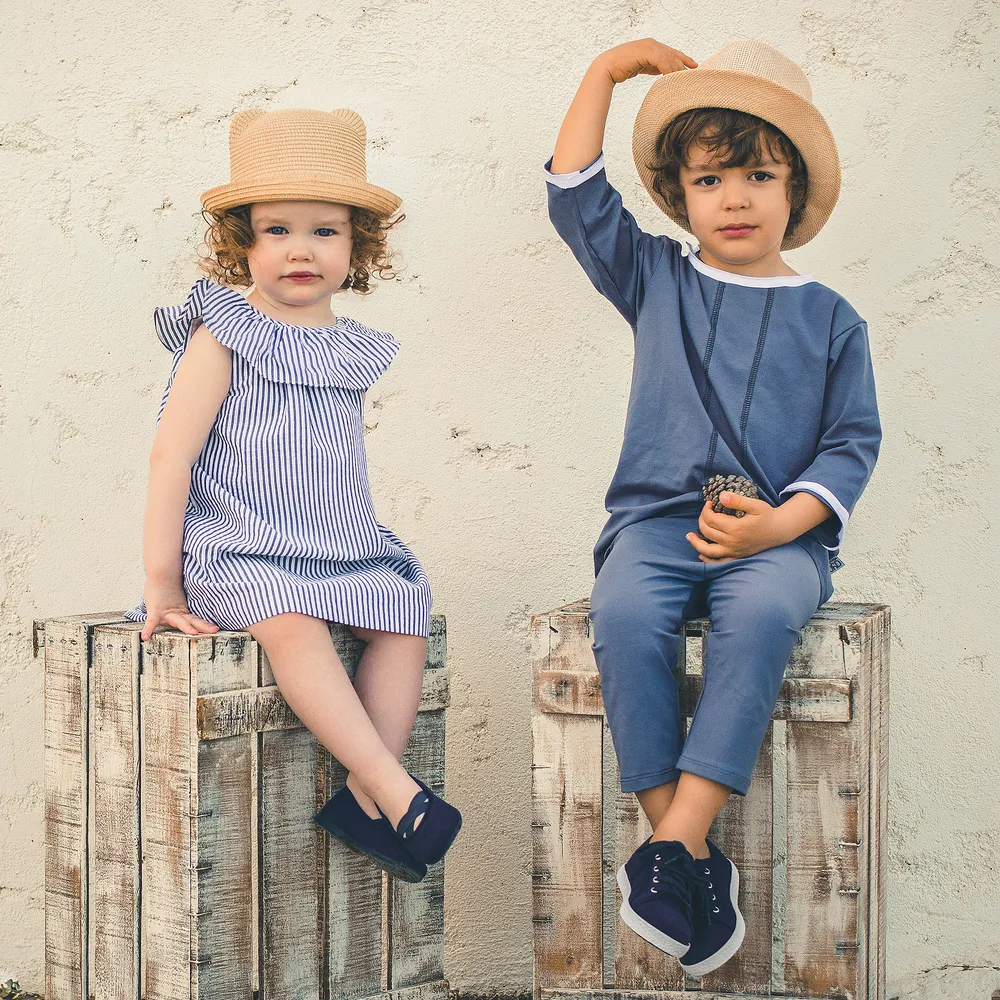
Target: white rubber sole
(726, 952)
(643, 928)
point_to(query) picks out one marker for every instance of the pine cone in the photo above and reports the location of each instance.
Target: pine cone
(717, 485)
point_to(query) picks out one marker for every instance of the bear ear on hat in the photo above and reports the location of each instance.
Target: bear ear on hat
(242, 119)
(351, 118)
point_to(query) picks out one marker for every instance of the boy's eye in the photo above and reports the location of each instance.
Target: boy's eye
(761, 175)
(708, 181)
(276, 230)
(324, 231)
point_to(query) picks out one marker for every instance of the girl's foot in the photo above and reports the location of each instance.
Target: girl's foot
(429, 826)
(344, 818)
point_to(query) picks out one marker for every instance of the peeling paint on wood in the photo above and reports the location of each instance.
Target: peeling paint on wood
(819, 930)
(182, 859)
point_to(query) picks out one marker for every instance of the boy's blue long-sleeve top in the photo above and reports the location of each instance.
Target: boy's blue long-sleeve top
(769, 378)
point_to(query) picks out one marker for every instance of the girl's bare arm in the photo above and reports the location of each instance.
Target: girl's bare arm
(199, 387)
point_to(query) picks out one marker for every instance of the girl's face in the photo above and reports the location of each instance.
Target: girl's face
(301, 252)
(739, 214)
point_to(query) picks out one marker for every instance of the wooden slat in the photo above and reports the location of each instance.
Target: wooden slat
(222, 894)
(168, 796)
(880, 635)
(291, 876)
(821, 938)
(354, 894)
(743, 831)
(692, 994)
(416, 911)
(263, 709)
(809, 699)
(66, 806)
(567, 828)
(114, 784)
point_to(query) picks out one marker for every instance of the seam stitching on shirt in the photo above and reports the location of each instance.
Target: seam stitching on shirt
(751, 382)
(705, 365)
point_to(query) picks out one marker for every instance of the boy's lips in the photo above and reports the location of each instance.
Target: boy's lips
(737, 229)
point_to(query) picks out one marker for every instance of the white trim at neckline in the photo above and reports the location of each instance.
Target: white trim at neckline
(777, 281)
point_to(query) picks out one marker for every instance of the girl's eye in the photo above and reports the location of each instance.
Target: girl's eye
(276, 230)
(326, 232)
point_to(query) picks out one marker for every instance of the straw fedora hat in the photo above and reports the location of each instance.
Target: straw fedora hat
(298, 155)
(752, 77)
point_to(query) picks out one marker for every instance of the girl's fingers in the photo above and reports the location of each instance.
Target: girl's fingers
(152, 620)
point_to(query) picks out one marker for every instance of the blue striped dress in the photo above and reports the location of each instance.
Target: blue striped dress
(280, 514)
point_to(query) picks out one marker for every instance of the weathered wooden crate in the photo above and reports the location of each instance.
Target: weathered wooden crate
(181, 856)
(808, 839)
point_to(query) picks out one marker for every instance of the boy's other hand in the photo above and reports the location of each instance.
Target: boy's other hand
(729, 537)
(645, 56)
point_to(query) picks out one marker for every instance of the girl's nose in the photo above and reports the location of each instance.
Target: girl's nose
(300, 253)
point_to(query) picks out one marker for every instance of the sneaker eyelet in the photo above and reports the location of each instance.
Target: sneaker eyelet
(657, 857)
(655, 878)
(713, 899)
(711, 886)
(715, 909)
(707, 872)
(653, 890)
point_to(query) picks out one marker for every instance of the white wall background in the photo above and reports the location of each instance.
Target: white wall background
(495, 433)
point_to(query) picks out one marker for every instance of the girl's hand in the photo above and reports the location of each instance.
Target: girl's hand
(168, 606)
(646, 56)
(761, 527)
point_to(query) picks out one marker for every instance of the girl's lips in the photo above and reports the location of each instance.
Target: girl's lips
(302, 277)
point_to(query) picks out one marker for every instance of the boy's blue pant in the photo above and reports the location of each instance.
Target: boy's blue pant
(651, 581)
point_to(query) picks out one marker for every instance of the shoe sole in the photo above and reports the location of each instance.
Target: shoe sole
(644, 928)
(404, 874)
(726, 952)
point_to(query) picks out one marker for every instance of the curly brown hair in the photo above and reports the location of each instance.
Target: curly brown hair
(229, 239)
(737, 139)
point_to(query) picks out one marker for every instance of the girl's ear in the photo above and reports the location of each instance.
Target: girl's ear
(242, 119)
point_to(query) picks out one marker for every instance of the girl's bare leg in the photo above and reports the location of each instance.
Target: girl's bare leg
(388, 681)
(315, 684)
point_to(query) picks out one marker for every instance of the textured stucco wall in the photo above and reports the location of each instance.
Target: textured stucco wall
(493, 436)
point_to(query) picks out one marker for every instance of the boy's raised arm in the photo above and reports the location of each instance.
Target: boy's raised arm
(581, 136)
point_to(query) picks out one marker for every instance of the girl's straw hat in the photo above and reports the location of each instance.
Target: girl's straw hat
(298, 155)
(757, 79)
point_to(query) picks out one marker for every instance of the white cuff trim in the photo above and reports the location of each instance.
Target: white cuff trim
(577, 177)
(828, 498)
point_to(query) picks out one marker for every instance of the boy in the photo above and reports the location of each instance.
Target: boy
(742, 368)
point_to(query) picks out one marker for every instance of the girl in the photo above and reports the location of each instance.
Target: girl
(259, 514)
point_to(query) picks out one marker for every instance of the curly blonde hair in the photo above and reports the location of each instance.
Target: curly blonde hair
(229, 239)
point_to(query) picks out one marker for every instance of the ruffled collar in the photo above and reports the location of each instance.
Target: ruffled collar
(348, 354)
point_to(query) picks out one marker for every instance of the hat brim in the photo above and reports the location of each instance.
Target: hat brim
(383, 203)
(675, 93)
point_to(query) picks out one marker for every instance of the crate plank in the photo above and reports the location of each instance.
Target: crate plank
(806, 699)
(168, 797)
(567, 827)
(821, 937)
(291, 886)
(743, 830)
(114, 783)
(354, 934)
(416, 911)
(222, 960)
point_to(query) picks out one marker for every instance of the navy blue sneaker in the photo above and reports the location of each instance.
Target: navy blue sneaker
(344, 819)
(661, 895)
(719, 933)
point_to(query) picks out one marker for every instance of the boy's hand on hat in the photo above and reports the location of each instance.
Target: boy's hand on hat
(646, 56)
(728, 537)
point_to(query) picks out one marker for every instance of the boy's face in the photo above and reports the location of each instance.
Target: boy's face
(302, 250)
(738, 214)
